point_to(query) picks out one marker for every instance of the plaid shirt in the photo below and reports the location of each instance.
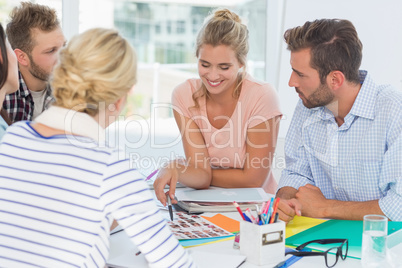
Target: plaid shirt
(20, 105)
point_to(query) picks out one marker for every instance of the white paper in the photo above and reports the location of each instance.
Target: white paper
(201, 258)
(223, 195)
(208, 259)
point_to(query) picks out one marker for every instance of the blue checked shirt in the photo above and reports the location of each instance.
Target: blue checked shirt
(358, 161)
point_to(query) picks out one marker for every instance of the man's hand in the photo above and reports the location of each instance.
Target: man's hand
(287, 209)
(288, 206)
(312, 200)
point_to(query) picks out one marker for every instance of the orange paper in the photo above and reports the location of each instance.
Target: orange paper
(224, 222)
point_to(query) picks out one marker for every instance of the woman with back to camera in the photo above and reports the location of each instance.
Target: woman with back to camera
(9, 77)
(228, 120)
(61, 186)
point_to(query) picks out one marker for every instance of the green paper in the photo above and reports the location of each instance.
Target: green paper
(337, 229)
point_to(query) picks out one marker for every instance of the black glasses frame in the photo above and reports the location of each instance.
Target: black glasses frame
(323, 242)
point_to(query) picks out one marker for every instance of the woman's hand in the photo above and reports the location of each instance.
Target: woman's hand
(167, 176)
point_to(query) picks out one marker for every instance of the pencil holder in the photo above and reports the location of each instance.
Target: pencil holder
(263, 244)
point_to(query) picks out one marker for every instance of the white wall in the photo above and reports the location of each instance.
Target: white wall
(379, 25)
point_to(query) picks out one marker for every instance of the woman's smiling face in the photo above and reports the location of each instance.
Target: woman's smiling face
(218, 68)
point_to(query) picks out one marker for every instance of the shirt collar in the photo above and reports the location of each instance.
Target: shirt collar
(25, 90)
(72, 121)
(23, 87)
(364, 104)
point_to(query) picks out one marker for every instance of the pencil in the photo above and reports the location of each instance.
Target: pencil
(151, 175)
(276, 217)
(274, 210)
(117, 232)
(239, 210)
(250, 215)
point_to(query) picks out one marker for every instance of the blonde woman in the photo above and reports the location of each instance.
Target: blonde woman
(228, 120)
(61, 186)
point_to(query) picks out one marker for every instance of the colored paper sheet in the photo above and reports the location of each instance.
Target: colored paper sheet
(203, 241)
(338, 229)
(224, 222)
(300, 224)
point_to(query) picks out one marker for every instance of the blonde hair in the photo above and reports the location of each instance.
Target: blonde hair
(224, 27)
(97, 66)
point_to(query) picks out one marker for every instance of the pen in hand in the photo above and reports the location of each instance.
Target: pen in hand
(169, 201)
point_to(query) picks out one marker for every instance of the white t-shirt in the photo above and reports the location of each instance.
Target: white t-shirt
(39, 100)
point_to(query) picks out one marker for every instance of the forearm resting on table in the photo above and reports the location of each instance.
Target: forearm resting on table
(349, 210)
(330, 208)
(194, 177)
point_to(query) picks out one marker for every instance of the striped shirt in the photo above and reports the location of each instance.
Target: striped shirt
(359, 161)
(59, 196)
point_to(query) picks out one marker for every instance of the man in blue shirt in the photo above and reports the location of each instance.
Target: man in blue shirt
(344, 145)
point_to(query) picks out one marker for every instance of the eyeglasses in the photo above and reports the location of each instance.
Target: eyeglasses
(330, 259)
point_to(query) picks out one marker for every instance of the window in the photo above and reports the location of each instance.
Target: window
(181, 26)
(169, 27)
(157, 28)
(196, 25)
(159, 33)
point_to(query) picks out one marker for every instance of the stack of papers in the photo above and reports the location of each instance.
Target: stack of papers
(220, 199)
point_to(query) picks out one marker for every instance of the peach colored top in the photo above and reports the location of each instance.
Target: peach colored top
(258, 102)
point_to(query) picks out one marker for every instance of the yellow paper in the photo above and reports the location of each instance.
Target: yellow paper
(299, 224)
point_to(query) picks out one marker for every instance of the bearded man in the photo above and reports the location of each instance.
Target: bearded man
(344, 145)
(36, 37)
